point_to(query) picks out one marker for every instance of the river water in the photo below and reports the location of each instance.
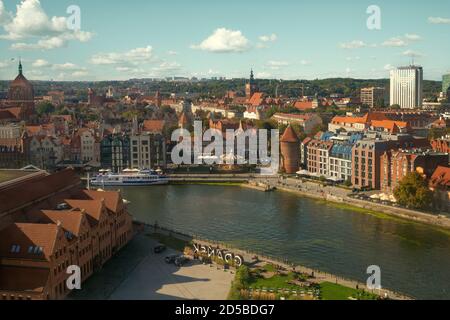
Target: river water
(414, 258)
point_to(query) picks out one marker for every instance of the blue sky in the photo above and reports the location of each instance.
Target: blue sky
(288, 39)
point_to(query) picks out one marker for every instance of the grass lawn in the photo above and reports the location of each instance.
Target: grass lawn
(275, 282)
(6, 175)
(332, 291)
(171, 242)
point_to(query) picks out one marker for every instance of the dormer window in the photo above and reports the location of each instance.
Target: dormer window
(15, 248)
(35, 250)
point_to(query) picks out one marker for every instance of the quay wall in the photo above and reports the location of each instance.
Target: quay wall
(285, 263)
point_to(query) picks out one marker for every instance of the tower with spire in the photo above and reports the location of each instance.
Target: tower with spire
(20, 67)
(250, 87)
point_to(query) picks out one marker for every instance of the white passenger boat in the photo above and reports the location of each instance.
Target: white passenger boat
(128, 177)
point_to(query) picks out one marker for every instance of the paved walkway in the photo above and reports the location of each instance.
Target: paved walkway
(137, 273)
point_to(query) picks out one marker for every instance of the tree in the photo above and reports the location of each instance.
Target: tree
(45, 108)
(413, 192)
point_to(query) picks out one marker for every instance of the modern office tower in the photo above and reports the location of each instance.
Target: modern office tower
(446, 84)
(373, 97)
(407, 87)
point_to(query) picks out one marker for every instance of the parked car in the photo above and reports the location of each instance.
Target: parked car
(171, 259)
(159, 248)
(181, 261)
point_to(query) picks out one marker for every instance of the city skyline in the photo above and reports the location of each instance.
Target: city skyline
(293, 40)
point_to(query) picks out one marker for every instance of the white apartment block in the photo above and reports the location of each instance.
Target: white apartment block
(407, 87)
(141, 151)
(10, 131)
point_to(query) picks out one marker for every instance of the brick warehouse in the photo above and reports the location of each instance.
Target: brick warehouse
(48, 223)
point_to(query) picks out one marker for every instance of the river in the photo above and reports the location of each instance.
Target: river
(414, 258)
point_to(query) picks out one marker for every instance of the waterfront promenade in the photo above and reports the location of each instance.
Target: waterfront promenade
(255, 259)
(342, 196)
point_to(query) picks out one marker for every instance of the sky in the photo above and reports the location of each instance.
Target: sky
(282, 39)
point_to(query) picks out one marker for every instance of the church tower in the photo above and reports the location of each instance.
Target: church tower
(250, 87)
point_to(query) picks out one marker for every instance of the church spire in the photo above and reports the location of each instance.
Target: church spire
(20, 67)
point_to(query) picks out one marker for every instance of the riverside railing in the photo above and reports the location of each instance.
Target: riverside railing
(277, 261)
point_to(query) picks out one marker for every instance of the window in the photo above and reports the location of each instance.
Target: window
(15, 248)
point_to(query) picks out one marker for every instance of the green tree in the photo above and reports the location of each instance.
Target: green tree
(413, 192)
(45, 108)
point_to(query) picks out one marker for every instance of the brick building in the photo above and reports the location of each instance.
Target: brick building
(440, 184)
(366, 156)
(48, 223)
(396, 164)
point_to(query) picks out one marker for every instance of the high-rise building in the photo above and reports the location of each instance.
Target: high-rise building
(407, 87)
(373, 97)
(446, 84)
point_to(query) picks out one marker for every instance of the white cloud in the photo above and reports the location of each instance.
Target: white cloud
(4, 15)
(65, 66)
(388, 67)
(305, 62)
(31, 21)
(269, 38)
(353, 58)
(413, 37)
(439, 20)
(401, 41)
(79, 74)
(263, 75)
(167, 67)
(40, 63)
(133, 56)
(172, 53)
(223, 41)
(275, 65)
(123, 69)
(413, 54)
(355, 44)
(395, 42)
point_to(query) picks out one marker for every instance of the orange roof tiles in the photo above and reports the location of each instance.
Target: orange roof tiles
(71, 220)
(257, 99)
(113, 199)
(154, 126)
(17, 195)
(303, 105)
(93, 208)
(27, 236)
(441, 177)
(289, 136)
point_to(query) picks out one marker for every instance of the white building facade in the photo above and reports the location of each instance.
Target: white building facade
(407, 87)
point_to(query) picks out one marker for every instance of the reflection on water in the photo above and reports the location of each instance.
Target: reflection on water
(414, 258)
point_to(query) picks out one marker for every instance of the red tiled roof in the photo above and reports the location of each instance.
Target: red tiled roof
(257, 99)
(71, 220)
(19, 194)
(113, 199)
(26, 236)
(289, 136)
(93, 208)
(154, 126)
(441, 177)
(303, 105)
